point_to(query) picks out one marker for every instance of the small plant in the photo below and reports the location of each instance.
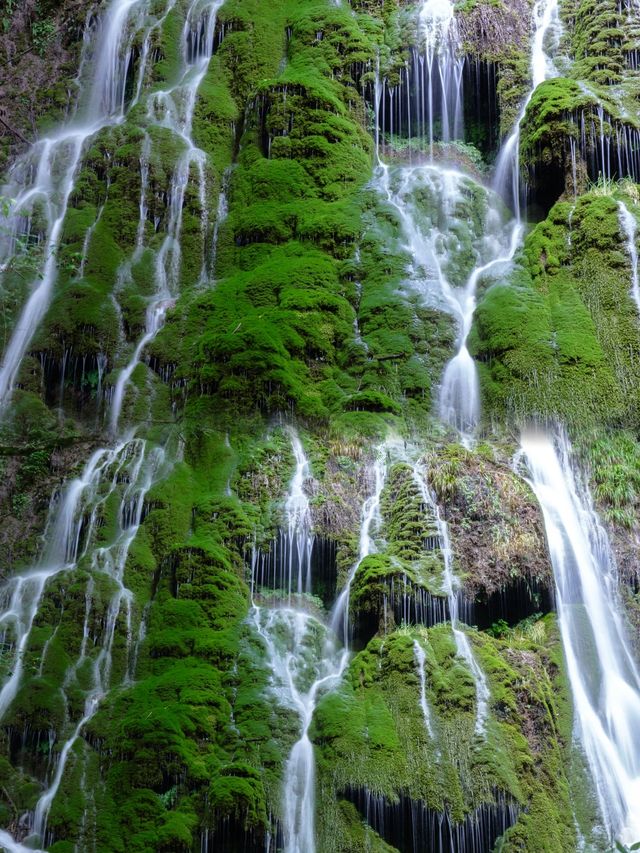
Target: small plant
(7, 15)
(631, 189)
(42, 34)
(603, 186)
(499, 629)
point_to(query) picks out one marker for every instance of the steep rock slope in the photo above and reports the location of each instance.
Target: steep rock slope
(234, 264)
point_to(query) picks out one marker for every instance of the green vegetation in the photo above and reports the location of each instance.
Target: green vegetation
(371, 734)
(306, 316)
(558, 338)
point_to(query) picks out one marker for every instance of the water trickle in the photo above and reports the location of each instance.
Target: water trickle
(305, 661)
(371, 520)
(298, 520)
(287, 567)
(411, 826)
(421, 661)
(546, 20)
(221, 216)
(304, 655)
(426, 103)
(433, 205)
(629, 226)
(451, 585)
(125, 472)
(603, 674)
(444, 71)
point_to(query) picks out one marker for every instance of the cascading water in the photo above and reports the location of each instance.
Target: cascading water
(287, 566)
(298, 515)
(436, 237)
(546, 19)
(604, 677)
(459, 403)
(425, 103)
(433, 242)
(125, 472)
(420, 658)
(303, 664)
(304, 655)
(451, 584)
(43, 180)
(444, 71)
(371, 519)
(629, 226)
(173, 109)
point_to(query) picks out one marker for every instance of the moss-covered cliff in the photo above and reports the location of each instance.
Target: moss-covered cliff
(227, 272)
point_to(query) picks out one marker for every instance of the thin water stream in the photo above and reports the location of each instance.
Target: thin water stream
(629, 225)
(546, 19)
(42, 181)
(125, 472)
(173, 109)
(306, 656)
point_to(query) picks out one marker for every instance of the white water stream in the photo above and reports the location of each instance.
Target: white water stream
(629, 225)
(603, 674)
(125, 472)
(546, 19)
(173, 109)
(440, 230)
(421, 662)
(42, 180)
(305, 656)
(444, 66)
(298, 516)
(451, 585)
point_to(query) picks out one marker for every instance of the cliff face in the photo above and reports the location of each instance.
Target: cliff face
(232, 438)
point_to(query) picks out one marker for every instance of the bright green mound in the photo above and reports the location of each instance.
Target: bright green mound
(558, 338)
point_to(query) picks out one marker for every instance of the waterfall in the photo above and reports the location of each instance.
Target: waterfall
(116, 479)
(304, 655)
(426, 103)
(428, 234)
(459, 403)
(629, 227)
(444, 71)
(221, 216)
(298, 517)
(287, 566)
(304, 660)
(173, 109)
(604, 677)
(507, 175)
(370, 520)
(451, 584)
(125, 472)
(45, 176)
(8, 844)
(436, 262)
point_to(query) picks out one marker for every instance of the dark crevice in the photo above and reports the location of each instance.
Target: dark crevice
(412, 827)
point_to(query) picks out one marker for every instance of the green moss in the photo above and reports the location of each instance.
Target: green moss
(557, 339)
(371, 734)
